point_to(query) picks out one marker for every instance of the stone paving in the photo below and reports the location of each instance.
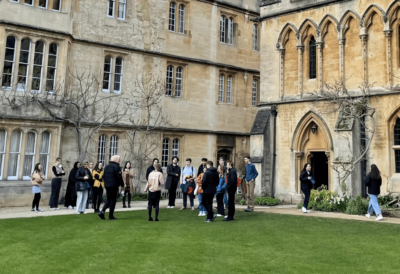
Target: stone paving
(25, 212)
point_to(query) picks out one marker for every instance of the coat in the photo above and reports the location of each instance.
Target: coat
(37, 178)
(128, 179)
(231, 187)
(304, 178)
(98, 178)
(113, 176)
(172, 179)
(81, 184)
(210, 181)
(149, 170)
(374, 186)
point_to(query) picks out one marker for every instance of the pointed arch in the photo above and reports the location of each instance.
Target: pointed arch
(392, 12)
(367, 16)
(305, 121)
(344, 21)
(328, 18)
(305, 26)
(283, 36)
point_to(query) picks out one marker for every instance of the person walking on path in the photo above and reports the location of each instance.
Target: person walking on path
(57, 173)
(231, 189)
(188, 175)
(374, 183)
(199, 193)
(151, 168)
(70, 195)
(221, 189)
(209, 183)
(174, 173)
(37, 180)
(98, 186)
(112, 181)
(128, 183)
(251, 175)
(306, 185)
(156, 179)
(82, 188)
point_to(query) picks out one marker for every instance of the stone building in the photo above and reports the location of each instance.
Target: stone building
(208, 50)
(305, 44)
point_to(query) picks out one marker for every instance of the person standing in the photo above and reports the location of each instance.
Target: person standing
(173, 175)
(37, 180)
(89, 169)
(128, 183)
(209, 183)
(231, 190)
(199, 192)
(306, 185)
(98, 186)
(221, 189)
(82, 187)
(374, 183)
(202, 166)
(251, 175)
(70, 195)
(222, 168)
(188, 175)
(112, 181)
(156, 179)
(57, 173)
(151, 168)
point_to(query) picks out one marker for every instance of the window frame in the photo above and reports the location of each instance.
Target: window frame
(60, 6)
(396, 146)
(102, 149)
(178, 86)
(33, 1)
(254, 93)
(47, 5)
(256, 30)
(12, 63)
(122, 2)
(222, 29)
(41, 67)
(113, 8)
(312, 58)
(14, 178)
(114, 140)
(33, 154)
(170, 80)
(165, 152)
(45, 168)
(181, 18)
(28, 64)
(221, 88)
(109, 73)
(172, 16)
(55, 69)
(120, 74)
(3, 153)
(175, 147)
(229, 84)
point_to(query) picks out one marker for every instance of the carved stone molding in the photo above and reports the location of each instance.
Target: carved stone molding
(328, 154)
(299, 155)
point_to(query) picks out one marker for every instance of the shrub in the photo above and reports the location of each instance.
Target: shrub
(243, 202)
(266, 201)
(357, 206)
(323, 199)
(383, 200)
(299, 205)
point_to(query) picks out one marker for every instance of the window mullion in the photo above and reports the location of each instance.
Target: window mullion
(116, 8)
(22, 148)
(30, 68)
(45, 63)
(112, 74)
(16, 63)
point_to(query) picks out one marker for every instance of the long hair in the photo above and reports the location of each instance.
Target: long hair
(375, 173)
(37, 168)
(305, 166)
(129, 164)
(96, 167)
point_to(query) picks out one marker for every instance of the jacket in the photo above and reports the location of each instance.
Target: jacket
(57, 172)
(72, 174)
(81, 183)
(149, 170)
(113, 176)
(304, 178)
(231, 187)
(156, 179)
(251, 172)
(199, 186)
(37, 178)
(210, 181)
(128, 179)
(98, 178)
(221, 185)
(374, 186)
(172, 179)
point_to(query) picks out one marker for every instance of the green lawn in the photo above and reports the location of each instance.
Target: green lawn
(182, 243)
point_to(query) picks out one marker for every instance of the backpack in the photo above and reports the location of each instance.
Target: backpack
(188, 187)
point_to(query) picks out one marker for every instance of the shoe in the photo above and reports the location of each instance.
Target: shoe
(168, 207)
(212, 220)
(219, 215)
(249, 210)
(182, 208)
(151, 219)
(368, 215)
(227, 220)
(77, 213)
(124, 206)
(308, 211)
(112, 219)
(101, 215)
(52, 208)
(39, 210)
(70, 207)
(84, 212)
(207, 221)
(172, 207)
(192, 208)
(226, 216)
(157, 220)
(304, 209)
(129, 206)
(379, 218)
(33, 209)
(57, 208)
(200, 214)
(74, 207)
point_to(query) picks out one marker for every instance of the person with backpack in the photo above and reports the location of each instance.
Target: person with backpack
(188, 176)
(374, 183)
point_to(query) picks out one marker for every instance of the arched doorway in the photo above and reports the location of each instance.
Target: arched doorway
(312, 143)
(225, 154)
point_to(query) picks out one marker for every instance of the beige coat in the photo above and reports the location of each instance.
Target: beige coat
(37, 179)
(128, 179)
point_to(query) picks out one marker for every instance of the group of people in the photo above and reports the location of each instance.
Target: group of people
(373, 181)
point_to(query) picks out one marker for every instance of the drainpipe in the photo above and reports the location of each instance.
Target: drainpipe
(274, 113)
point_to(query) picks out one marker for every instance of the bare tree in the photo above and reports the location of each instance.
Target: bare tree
(82, 104)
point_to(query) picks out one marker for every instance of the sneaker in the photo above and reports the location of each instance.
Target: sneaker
(77, 213)
(304, 209)
(219, 215)
(56, 208)
(208, 221)
(226, 216)
(308, 211)
(368, 215)
(33, 209)
(70, 207)
(182, 208)
(200, 214)
(171, 207)
(379, 218)
(52, 208)
(39, 210)
(84, 212)
(74, 207)
(192, 208)
(168, 207)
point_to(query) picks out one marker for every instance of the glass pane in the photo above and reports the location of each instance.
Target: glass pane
(6, 81)
(7, 67)
(37, 72)
(52, 61)
(38, 60)
(10, 43)
(39, 47)
(25, 44)
(10, 54)
(105, 84)
(49, 85)
(28, 165)
(53, 49)
(117, 86)
(35, 84)
(1, 163)
(45, 145)
(50, 73)
(22, 70)
(44, 161)
(43, 3)
(30, 143)
(56, 4)
(12, 165)
(2, 141)
(118, 62)
(397, 160)
(117, 78)
(24, 57)
(107, 68)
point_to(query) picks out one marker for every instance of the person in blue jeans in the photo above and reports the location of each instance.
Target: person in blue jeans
(199, 192)
(374, 183)
(306, 185)
(188, 176)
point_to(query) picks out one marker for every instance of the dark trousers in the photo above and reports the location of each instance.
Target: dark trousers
(97, 197)
(70, 195)
(129, 197)
(172, 197)
(306, 190)
(231, 205)
(154, 201)
(90, 196)
(36, 200)
(112, 194)
(220, 203)
(55, 192)
(208, 201)
(191, 197)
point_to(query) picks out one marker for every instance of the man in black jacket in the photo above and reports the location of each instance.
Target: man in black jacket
(231, 189)
(209, 183)
(112, 180)
(151, 168)
(174, 174)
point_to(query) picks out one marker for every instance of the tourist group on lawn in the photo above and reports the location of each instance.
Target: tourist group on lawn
(207, 183)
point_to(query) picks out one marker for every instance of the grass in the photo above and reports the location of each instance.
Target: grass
(182, 243)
